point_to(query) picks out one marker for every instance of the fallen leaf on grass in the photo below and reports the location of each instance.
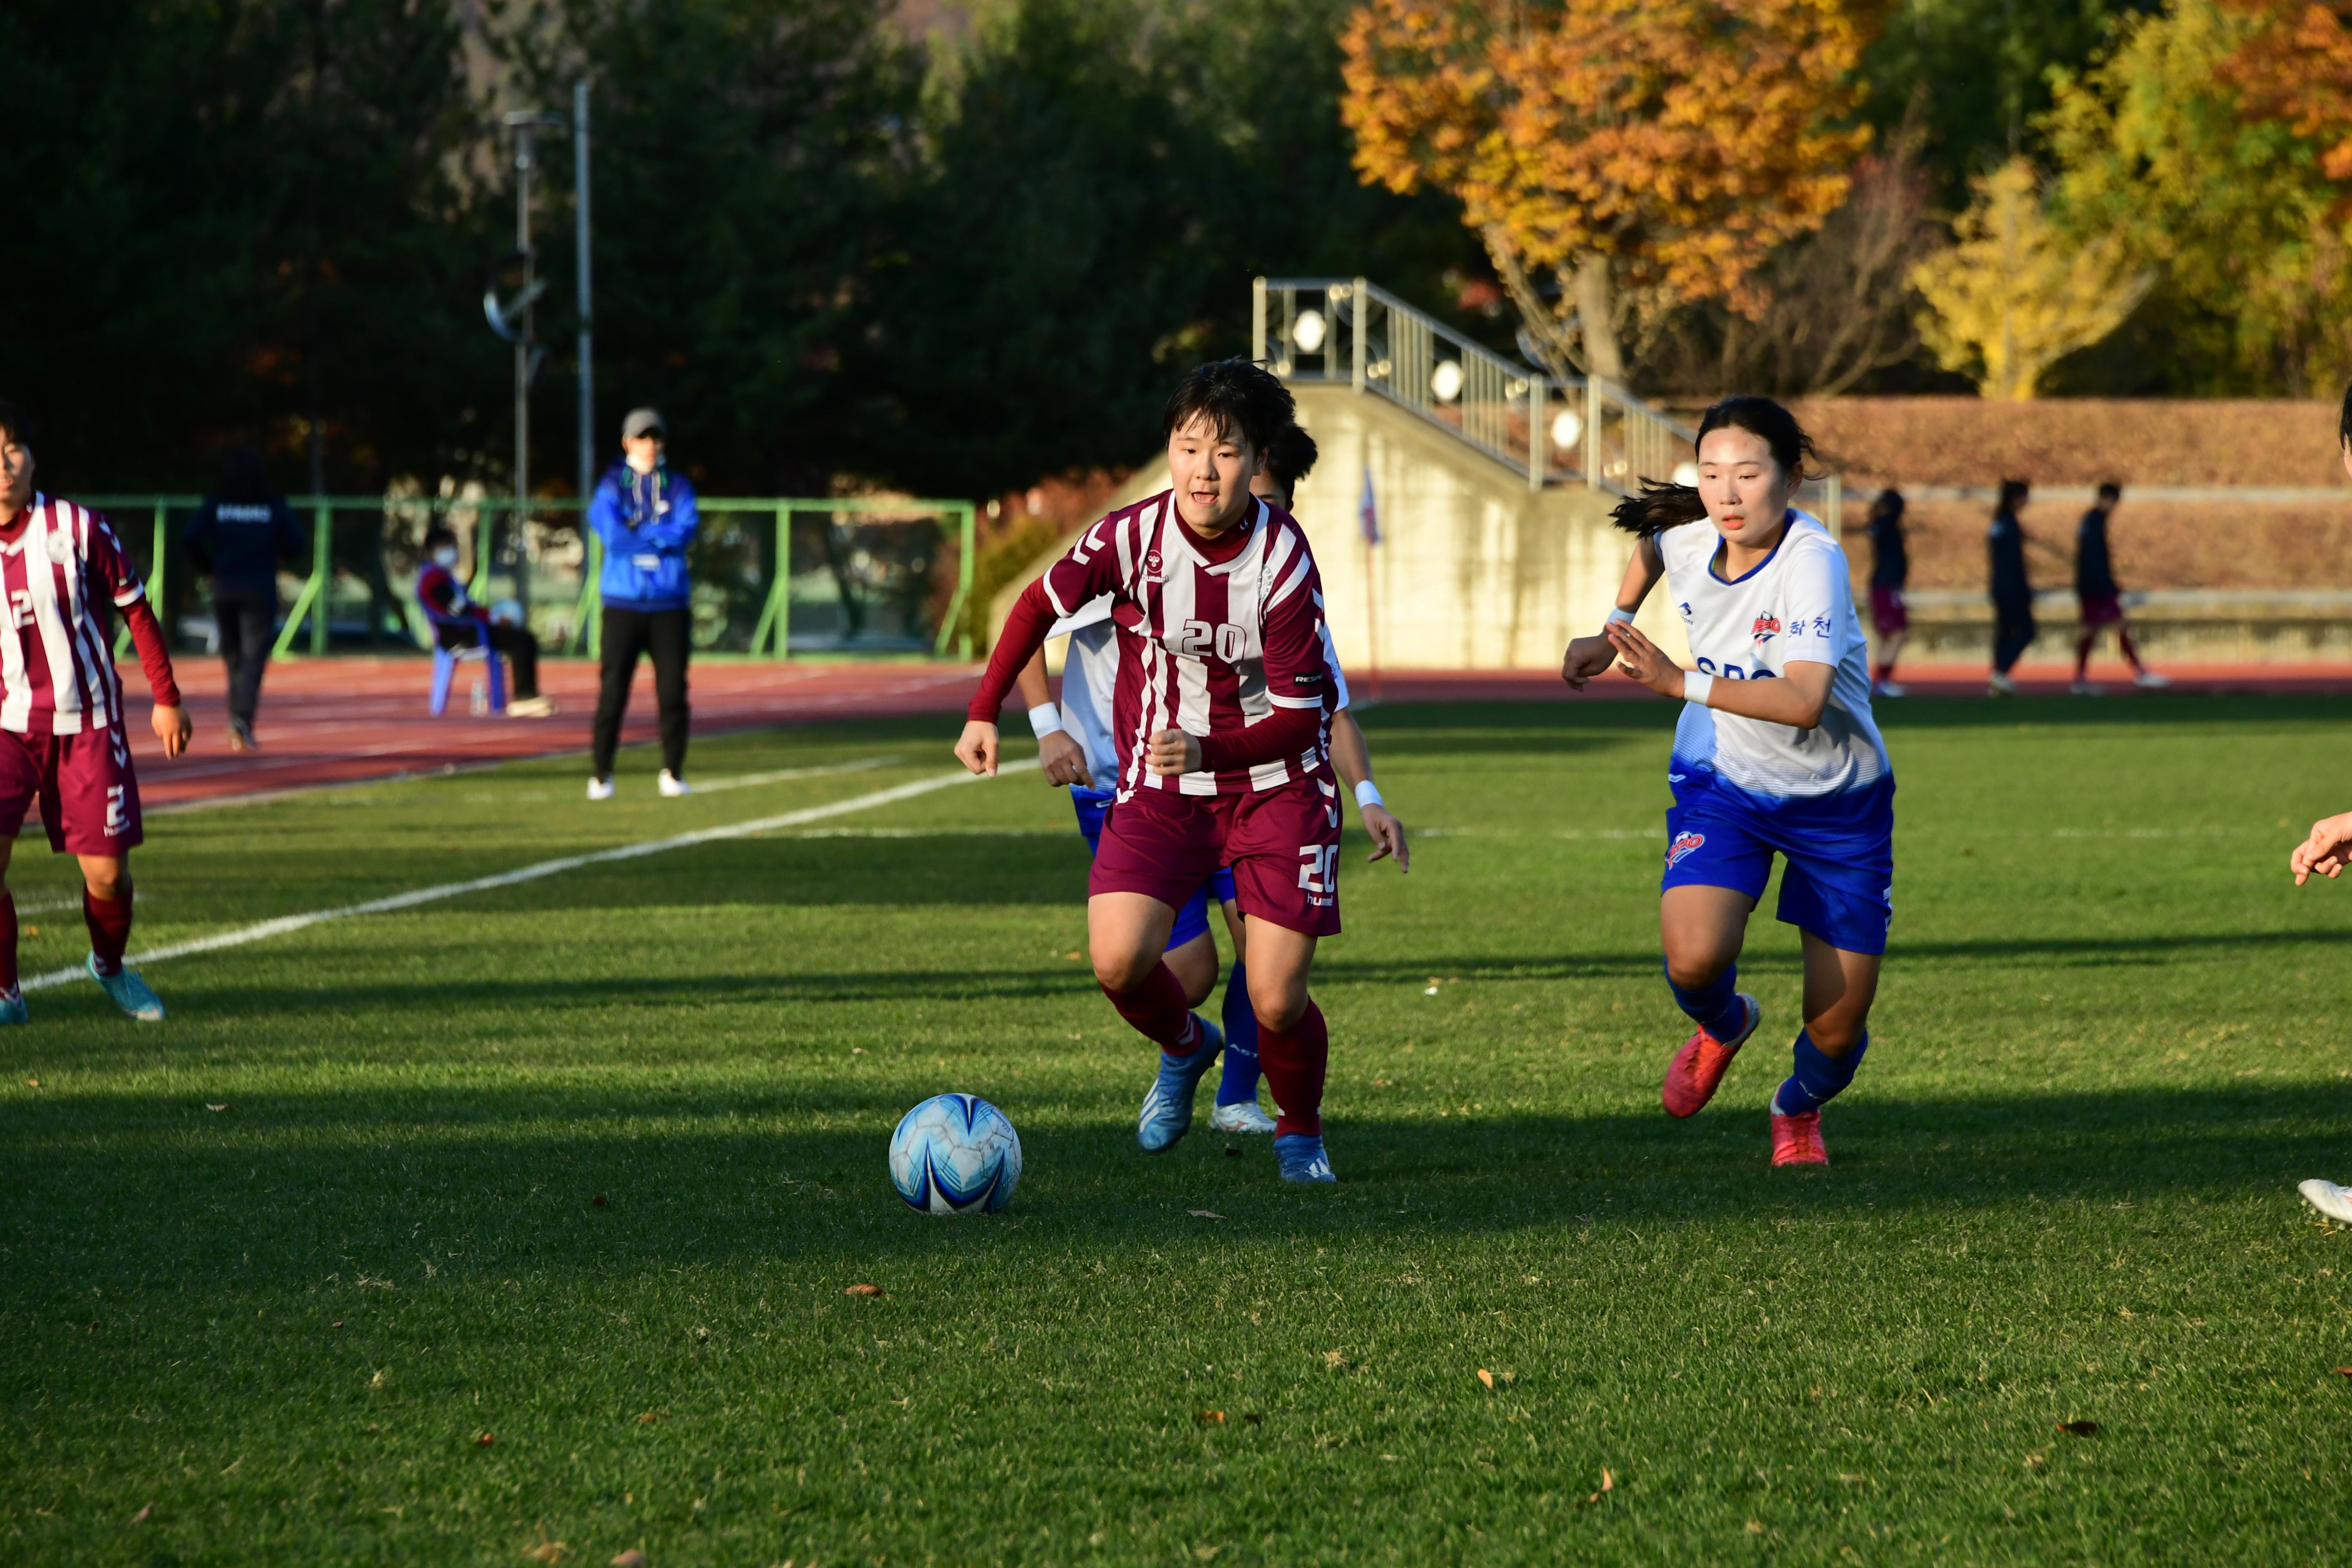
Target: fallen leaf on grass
(650, 1417)
(1204, 1214)
(383, 1376)
(32, 1083)
(208, 1106)
(485, 1439)
(140, 1517)
(1608, 1485)
(336, 1324)
(863, 1290)
(632, 1558)
(546, 1552)
(2080, 1428)
(2344, 1370)
(1755, 1527)
(1485, 1377)
(1334, 1358)
(600, 1201)
(1211, 1417)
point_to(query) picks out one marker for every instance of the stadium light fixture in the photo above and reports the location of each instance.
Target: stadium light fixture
(1566, 428)
(1308, 331)
(1445, 380)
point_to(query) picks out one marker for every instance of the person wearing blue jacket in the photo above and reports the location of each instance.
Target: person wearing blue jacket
(644, 511)
(237, 537)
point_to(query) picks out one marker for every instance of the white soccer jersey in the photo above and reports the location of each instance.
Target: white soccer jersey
(1797, 605)
(1090, 682)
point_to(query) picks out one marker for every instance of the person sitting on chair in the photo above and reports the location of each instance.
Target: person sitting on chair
(438, 590)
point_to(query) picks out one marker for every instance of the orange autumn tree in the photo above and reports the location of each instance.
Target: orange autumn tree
(1647, 153)
(2297, 66)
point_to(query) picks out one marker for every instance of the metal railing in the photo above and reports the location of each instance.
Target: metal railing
(1582, 430)
(859, 570)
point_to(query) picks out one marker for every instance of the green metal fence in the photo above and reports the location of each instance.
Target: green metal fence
(775, 577)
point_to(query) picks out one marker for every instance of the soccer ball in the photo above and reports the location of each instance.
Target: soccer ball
(955, 1153)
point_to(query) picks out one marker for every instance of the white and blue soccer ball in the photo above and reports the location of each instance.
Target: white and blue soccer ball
(955, 1153)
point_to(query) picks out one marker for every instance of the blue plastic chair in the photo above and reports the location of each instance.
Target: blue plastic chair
(446, 660)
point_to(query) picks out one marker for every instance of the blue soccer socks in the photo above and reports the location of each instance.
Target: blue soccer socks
(1715, 1006)
(1818, 1078)
(1239, 1085)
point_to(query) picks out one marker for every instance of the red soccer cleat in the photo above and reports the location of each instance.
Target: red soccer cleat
(1699, 1066)
(1797, 1140)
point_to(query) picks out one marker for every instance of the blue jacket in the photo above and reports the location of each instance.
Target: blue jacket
(645, 521)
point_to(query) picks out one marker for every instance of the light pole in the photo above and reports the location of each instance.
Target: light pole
(587, 308)
(513, 322)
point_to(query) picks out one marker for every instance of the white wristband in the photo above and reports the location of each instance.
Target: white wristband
(1369, 793)
(1619, 617)
(1695, 686)
(1045, 719)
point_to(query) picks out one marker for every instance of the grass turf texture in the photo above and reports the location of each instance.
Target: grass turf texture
(2108, 1042)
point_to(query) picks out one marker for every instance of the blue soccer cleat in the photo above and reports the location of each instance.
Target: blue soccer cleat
(1167, 1114)
(1302, 1159)
(130, 993)
(12, 1006)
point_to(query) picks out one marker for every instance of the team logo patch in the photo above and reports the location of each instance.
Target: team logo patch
(1685, 846)
(1686, 609)
(61, 546)
(1153, 570)
(1766, 625)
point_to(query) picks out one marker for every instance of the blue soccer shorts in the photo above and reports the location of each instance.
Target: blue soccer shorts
(1840, 883)
(1192, 918)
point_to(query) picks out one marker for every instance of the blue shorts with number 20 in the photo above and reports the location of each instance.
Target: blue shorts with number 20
(1840, 849)
(1192, 919)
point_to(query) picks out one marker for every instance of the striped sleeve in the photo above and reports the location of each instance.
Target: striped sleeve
(1296, 674)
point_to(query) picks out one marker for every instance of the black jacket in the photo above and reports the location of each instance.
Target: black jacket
(240, 543)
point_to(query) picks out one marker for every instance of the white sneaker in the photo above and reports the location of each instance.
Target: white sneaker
(1891, 689)
(2149, 680)
(672, 786)
(2087, 689)
(601, 789)
(1242, 1116)
(532, 708)
(2000, 686)
(2329, 1199)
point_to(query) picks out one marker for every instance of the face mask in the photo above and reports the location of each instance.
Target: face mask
(446, 556)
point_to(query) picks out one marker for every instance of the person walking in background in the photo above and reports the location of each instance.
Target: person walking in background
(1890, 569)
(645, 514)
(438, 589)
(2101, 600)
(239, 535)
(2012, 593)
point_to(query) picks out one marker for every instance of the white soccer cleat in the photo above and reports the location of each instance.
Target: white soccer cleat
(672, 787)
(2149, 680)
(2087, 689)
(601, 789)
(2329, 1199)
(1891, 689)
(532, 708)
(2000, 686)
(1242, 1116)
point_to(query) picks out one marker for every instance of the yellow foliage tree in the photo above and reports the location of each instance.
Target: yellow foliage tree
(1649, 153)
(2015, 295)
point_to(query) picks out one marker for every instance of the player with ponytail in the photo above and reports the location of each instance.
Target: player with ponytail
(1775, 754)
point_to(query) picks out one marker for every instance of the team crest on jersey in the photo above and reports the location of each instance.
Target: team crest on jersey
(1767, 626)
(1685, 846)
(1686, 609)
(1153, 572)
(59, 546)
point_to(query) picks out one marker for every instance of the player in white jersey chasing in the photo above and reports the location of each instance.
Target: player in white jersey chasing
(1076, 749)
(1775, 752)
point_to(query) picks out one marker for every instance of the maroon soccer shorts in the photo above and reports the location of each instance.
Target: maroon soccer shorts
(2102, 610)
(1282, 846)
(89, 801)
(1888, 614)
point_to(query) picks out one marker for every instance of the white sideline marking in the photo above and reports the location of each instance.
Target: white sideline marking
(746, 781)
(285, 924)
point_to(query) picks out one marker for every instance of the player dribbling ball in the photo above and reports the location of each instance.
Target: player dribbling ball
(1224, 709)
(1775, 754)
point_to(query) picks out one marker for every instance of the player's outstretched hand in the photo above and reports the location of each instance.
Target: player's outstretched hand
(173, 728)
(1642, 660)
(1064, 760)
(2323, 851)
(1587, 656)
(977, 749)
(1388, 838)
(1175, 751)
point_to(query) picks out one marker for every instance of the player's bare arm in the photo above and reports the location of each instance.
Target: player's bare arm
(1588, 657)
(2324, 850)
(1797, 697)
(1058, 753)
(1351, 759)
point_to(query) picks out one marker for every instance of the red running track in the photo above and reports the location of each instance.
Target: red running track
(347, 721)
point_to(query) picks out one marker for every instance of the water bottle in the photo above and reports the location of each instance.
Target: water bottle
(481, 698)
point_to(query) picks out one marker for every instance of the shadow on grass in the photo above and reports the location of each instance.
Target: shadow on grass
(276, 1191)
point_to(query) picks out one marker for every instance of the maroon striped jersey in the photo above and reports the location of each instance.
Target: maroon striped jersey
(57, 673)
(1214, 636)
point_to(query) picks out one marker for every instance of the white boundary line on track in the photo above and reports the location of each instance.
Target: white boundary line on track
(283, 925)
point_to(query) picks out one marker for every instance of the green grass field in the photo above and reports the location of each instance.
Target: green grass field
(530, 1215)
